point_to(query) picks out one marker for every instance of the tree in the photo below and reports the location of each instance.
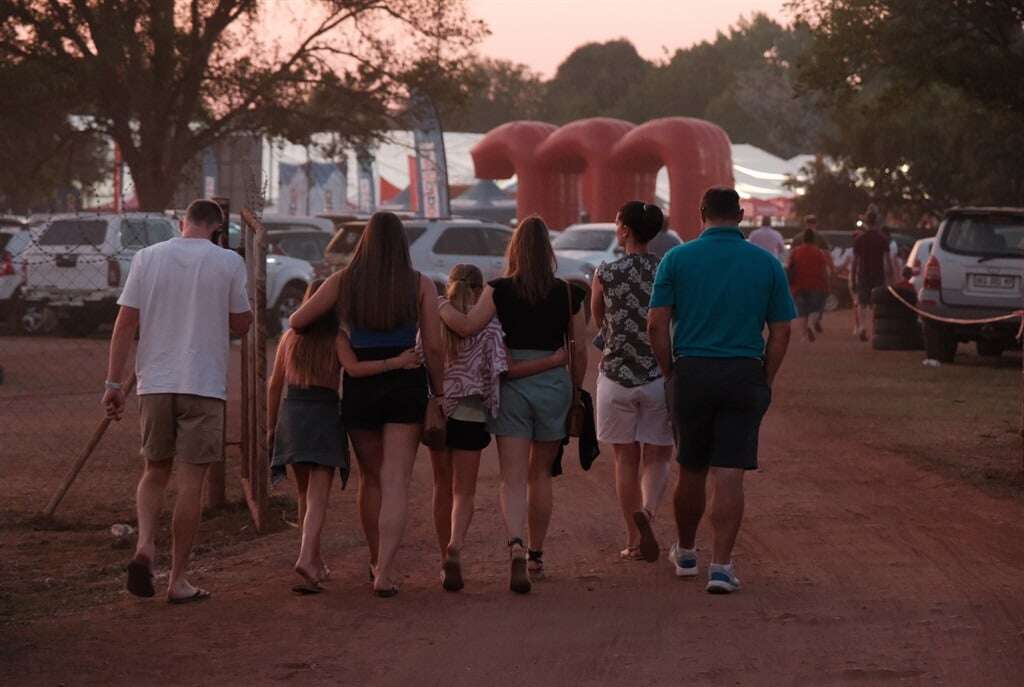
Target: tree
(596, 80)
(166, 79)
(496, 90)
(46, 154)
(833, 194)
(906, 123)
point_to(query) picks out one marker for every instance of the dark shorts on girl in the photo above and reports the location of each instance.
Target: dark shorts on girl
(809, 302)
(463, 435)
(393, 397)
(309, 431)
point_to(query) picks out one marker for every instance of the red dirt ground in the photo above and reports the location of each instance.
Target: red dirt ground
(883, 544)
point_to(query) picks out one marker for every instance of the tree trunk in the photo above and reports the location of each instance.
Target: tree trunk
(155, 184)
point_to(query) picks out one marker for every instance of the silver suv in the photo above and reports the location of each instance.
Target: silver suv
(975, 271)
(436, 246)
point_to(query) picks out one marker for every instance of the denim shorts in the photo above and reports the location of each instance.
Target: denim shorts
(533, 407)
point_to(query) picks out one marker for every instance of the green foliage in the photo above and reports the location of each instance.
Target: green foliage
(599, 79)
(833, 194)
(494, 90)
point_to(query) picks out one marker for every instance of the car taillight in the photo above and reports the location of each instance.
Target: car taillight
(932, 274)
(113, 272)
(6, 264)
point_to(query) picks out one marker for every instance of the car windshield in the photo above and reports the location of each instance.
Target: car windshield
(74, 232)
(345, 242)
(302, 245)
(985, 235)
(585, 239)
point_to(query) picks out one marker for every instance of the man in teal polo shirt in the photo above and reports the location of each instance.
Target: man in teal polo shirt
(717, 293)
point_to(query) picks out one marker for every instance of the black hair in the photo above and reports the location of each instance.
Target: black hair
(766, 221)
(643, 219)
(720, 202)
(205, 213)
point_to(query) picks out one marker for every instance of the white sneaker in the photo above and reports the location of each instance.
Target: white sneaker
(722, 579)
(684, 560)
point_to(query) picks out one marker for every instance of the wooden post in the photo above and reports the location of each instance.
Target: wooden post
(76, 468)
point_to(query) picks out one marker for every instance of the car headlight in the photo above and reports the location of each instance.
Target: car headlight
(271, 261)
(588, 271)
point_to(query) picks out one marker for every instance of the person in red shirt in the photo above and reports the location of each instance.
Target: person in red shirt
(809, 269)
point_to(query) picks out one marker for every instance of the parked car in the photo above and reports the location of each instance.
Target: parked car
(975, 271)
(595, 243)
(438, 245)
(916, 261)
(76, 266)
(303, 245)
(287, 276)
(15, 237)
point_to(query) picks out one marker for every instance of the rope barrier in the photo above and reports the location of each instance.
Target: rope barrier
(950, 320)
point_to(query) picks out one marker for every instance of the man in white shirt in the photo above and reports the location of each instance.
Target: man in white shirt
(184, 297)
(769, 239)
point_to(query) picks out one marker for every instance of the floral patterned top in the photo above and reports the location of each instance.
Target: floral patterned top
(627, 283)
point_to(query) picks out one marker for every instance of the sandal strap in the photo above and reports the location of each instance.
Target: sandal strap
(535, 554)
(516, 542)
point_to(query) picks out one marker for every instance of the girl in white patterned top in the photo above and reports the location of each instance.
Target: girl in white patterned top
(632, 413)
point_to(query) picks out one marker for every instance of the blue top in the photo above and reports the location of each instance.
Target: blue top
(722, 291)
(400, 337)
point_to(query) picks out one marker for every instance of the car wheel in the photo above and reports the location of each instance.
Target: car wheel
(36, 319)
(79, 325)
(889, 326)
(939, 343)
(989, 349)
(287, 303)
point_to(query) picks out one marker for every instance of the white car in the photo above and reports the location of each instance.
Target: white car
(76, 267)
(595, 243)
(975, 271)
(15, 237)
(916, 261)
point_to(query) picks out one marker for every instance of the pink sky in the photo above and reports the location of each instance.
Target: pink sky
(542, 33)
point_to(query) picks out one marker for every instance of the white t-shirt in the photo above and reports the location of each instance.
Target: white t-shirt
(768, 239)
(184, 290)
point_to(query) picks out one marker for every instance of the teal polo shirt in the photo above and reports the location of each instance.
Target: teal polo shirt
(722, 291)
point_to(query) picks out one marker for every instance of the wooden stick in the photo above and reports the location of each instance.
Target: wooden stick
(69, 478)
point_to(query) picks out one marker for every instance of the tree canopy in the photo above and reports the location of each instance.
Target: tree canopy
(166, 79)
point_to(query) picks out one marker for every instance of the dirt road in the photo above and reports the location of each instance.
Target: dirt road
(861, 565)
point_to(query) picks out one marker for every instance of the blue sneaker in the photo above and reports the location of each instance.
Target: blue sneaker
(685, 560)
(722, 579)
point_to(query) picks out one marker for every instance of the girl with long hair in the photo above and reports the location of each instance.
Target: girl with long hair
(306, 430)
(382, 303)
(474, 366)
(632, 412)
(534, 309)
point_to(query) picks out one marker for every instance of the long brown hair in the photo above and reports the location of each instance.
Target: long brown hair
(379, 286)
(465, 282)
(313, 353)
(531, 260)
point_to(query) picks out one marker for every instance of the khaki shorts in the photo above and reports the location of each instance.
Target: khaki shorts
(627, 415)
(189, 428)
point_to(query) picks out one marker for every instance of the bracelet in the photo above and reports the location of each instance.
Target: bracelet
(113, 386)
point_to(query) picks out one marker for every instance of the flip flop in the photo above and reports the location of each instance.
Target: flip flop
(387, 592)
(200, 595)
(140, 579)
(451, 575)
(631, 553)
(648, 543)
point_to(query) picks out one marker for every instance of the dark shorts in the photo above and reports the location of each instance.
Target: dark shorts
(809, 302)
(467, 436)
(717, 405)
(395, 397)
(864, 289)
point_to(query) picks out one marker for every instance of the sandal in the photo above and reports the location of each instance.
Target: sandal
(536, 562)
(519, 579)
(451, 573)
(631, 553)
(140, 578)
(648, 543)
(198, 595)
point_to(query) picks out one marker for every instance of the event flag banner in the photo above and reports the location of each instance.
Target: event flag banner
(432, 167)
(367, 201)
(312, 188)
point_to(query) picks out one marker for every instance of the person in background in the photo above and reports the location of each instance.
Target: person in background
(872, 267)
(809, 273)
(632, 413)
(472, 381)
(534, 308)
(184, 297)
(382, 302)
(768, 238)
(712, 299)
(811, 222)
(306, 429)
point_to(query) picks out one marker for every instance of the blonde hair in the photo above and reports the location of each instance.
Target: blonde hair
(465, 282)
(312, 352)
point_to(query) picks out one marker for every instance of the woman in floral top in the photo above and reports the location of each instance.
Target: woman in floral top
(632, 413)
